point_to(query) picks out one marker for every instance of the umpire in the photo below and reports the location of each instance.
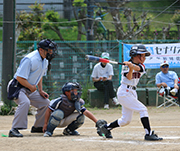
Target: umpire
(23, 87)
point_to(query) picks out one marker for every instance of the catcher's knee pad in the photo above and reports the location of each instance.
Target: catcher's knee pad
(80, 119)
(77, 123)
(56, 117)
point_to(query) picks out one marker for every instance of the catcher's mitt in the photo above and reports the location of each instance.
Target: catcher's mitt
(99, 125)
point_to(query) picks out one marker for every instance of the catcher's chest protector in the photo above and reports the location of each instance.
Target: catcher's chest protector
(66, 106)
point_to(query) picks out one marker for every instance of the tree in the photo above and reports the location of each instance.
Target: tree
(176, 20)
(32, 25)
(29, 26)
(135, 25)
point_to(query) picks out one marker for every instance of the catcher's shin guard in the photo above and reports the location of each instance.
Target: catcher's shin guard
(54, 120)
(77, 123)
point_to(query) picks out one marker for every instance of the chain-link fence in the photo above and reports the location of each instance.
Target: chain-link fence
(70, 63)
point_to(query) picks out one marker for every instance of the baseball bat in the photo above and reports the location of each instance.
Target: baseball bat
(99, 59)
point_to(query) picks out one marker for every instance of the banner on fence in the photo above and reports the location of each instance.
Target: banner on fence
(159, 53)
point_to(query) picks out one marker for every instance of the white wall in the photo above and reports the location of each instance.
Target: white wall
(57, 7)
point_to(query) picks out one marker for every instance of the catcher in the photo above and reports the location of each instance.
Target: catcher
(61, 112)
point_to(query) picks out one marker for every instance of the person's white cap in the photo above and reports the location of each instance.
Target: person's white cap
(105, 55)
(164, 62)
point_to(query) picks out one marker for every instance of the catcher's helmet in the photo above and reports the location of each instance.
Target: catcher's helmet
(138, 49)
(47, 44)
(70, 86)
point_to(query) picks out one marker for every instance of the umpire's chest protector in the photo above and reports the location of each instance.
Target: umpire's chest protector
(66, 106)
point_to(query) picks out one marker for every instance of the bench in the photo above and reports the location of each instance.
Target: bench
(96, 98)
(146, 95)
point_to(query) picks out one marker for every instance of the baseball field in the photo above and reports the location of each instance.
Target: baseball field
(165, 122)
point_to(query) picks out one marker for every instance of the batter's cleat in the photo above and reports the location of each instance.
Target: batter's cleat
(115, 101)
(68, 132)
(36, 129)
(106, 132)
(47, 134)
(15, 133)
(152, 137)
(106, 106)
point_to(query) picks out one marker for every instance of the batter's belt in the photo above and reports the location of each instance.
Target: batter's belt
(132, 87)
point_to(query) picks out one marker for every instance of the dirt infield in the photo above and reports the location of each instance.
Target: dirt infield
(165, 122)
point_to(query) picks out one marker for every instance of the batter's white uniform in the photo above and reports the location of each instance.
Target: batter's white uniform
(127, 96)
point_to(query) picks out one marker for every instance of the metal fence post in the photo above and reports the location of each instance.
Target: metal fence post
(35, 45)
(120, 59)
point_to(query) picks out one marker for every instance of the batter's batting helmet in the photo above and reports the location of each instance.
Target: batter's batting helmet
(70, 86)
(138, 49)
(47, 44)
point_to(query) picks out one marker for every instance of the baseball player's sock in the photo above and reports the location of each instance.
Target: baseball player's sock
(146, 125)
(112, 125)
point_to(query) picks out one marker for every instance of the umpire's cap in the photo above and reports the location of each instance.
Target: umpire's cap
(47, 44)
(138, 49)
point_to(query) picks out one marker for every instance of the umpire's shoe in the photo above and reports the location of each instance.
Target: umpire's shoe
(36, 129)
(68, 132)
(15, 133)
(152, 137)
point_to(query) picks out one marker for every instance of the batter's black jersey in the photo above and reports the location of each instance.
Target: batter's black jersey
(68, 107)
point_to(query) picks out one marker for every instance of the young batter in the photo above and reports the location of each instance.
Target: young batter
(127, 96)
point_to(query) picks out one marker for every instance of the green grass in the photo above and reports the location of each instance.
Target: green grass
(69, 34)
(1, 35)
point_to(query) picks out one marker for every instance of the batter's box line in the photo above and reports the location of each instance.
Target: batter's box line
(134, 142)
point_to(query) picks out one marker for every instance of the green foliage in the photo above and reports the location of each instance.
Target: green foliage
(79, 3)
(1, 33)
(51, 18)
(1, 22)
(31, 26)
(84, 96)
(5, 109)
(176, 16)
(37, 8)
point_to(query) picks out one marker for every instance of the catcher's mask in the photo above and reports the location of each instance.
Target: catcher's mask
(71, 86)
(138, 49)
(48, 44)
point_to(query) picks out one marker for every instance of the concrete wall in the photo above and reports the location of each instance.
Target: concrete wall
(145, 95)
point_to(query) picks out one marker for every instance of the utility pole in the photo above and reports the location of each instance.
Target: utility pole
(89, 29)
(8, 58)
(90, 12)
(90, 34)
(67, 9)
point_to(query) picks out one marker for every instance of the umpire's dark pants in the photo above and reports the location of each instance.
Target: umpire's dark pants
(107, 88)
